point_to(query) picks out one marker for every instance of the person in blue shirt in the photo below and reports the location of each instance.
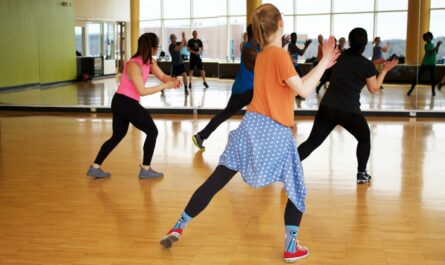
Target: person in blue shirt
(242, 89)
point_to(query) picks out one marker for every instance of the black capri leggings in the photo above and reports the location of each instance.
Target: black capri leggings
(219, 178)
(326, 120)
(126, 111)
(235, 104)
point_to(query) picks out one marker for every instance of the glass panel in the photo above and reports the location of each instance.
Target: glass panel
(149, 9)
(342, 27)
(437, 4)
(93, 39)
(288, 24)
(109, 41)
(206, 8)
(313, 6)
(237, 27)
(285, 6)
(79, 46)
(176, 27)
(391, 27)
(352, 5)
(152, 26)
(176, 8)
(212, 32)
(438, 30)
(383, 5)
(237, 7)
(309, 27)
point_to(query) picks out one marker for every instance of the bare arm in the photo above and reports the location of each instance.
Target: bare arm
(374, 83)
(304, 86)
(134, 73)
(249, 57)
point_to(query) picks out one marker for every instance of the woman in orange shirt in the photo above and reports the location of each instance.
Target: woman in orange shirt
(262, 148)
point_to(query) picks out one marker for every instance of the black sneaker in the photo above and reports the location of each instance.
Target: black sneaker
(205, 84)
(363, 177)
(198, 141)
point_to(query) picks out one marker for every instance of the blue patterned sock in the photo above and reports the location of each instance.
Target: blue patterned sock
(183, 221)
(291, 238)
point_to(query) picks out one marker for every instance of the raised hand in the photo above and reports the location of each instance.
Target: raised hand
(389, 65)
(330, 53)
(285, 40)
(307, 42)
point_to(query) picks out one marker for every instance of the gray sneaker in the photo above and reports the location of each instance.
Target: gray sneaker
(198, 141)
(149, 174)
(97, 173)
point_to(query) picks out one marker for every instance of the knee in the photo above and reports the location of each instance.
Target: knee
(152, 132)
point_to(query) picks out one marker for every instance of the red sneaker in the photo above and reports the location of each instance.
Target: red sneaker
(171, 237)
(299, 254)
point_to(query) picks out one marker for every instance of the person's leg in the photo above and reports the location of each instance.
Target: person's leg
(323, 125)
(120, 128)
(198, 202)
(416, 79)
(432, 69)
(235, 104)
(184, 80)
(356, 125)
(191, 68)
(292, 220)
(142, 120)
(203, 73)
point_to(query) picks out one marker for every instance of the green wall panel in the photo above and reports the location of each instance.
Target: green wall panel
(19, 54)
(37, 44)
(57, 50)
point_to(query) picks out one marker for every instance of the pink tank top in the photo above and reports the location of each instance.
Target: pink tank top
(126, 86)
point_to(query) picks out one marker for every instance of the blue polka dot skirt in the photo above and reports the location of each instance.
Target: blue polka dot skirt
(264, 151)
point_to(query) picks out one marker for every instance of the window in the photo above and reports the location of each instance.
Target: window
(437, 4)
(396, 34)
(237, 7)
(206, 8)
(312, 7)
(383, 5)
(286, 7)
(237, 27)
(176, 27)
(109, 41)
(93, 39)
(436, 27)
(176, 9)
(149, 9)
(211, 31)
(353, 6)
(309, 27)
(79, 39)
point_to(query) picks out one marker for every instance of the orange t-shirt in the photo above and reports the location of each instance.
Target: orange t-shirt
(271, 95)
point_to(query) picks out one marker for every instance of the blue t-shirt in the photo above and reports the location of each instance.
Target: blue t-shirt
(244, 77)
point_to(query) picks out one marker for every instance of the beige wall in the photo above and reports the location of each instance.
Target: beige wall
(108, 10)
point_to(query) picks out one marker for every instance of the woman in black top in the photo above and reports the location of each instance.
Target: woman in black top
(341, 102)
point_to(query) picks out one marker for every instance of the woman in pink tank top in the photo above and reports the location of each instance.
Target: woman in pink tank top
(126, 108)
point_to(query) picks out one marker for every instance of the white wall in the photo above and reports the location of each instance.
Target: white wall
(104, 10)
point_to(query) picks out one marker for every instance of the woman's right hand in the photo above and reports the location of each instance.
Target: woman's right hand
(173, 83)
(389, 65)
(330, 53)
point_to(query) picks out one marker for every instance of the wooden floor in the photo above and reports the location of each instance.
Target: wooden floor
(98, 94)
(51, 213)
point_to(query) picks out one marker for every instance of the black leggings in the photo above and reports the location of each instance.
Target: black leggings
(423, 68)
(326, 120)
(219, 178)
(235, 104)
(126, 110)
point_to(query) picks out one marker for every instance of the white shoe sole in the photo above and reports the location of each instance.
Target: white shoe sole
(168, 240)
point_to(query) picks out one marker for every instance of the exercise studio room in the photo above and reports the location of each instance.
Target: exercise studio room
(222, 132)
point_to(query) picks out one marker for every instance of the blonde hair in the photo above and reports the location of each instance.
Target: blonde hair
(265, 21)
